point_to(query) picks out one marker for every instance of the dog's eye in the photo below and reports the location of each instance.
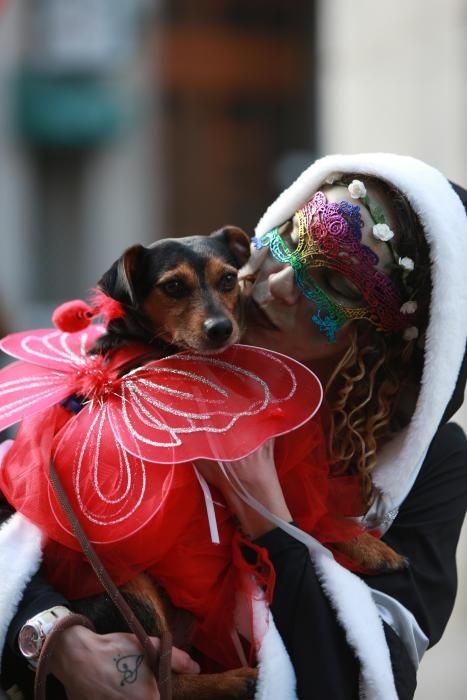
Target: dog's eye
(175, 289)
(228, 282)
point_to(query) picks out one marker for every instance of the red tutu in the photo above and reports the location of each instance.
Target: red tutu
(175, 545)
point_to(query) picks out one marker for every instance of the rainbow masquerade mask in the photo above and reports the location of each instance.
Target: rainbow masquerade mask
(329, 236)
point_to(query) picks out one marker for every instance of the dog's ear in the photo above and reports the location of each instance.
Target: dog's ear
(238, 242)
(120, 280)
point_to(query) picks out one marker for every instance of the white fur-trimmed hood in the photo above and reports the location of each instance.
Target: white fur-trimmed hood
(444, 220)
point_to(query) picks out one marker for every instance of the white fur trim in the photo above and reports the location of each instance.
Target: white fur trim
(357, 613)
(276, 677)
(445, 223)
(20, 558)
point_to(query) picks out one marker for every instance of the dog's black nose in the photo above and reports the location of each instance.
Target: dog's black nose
(218, 330)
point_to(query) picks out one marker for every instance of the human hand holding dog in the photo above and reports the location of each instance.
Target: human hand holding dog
(258, 475)
(109, 666)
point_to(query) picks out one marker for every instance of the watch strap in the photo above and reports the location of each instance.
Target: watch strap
(43, 622)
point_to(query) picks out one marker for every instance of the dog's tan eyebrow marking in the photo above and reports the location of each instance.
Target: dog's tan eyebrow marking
(215, 268)
(182, 271)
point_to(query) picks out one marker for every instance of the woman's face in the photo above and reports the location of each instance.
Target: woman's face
(279, 315)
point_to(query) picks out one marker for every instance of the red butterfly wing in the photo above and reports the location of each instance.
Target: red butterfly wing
(114, 492)
(223, 407)
(50, 347)
(26, 389)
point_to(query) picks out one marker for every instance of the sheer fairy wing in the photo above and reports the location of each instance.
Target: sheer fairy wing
(26, 389)
(223, 407)
(116, 457)
(50, 347)
(114, 491)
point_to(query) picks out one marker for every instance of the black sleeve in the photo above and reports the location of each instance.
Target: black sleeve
(325, 665)
(38, 596)
(5, 509)
(427, 531)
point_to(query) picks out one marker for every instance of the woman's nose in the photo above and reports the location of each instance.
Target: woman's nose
(282, 285)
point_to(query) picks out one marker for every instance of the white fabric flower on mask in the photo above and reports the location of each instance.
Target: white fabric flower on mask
(357, 189)
(407, 264)
(409, 307)
(411, 333)
(382, 232)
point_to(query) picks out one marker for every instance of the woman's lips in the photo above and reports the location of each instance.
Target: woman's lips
(256, 315)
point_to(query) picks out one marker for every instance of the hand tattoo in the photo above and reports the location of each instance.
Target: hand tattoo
(128, 666)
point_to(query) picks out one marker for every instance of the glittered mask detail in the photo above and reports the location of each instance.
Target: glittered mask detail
(329, 236)
(329, 316)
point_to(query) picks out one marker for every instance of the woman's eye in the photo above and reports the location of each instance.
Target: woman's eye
(342, 287)
(175, 289)
(228, 282)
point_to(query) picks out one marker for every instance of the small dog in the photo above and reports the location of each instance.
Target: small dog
(178, 294)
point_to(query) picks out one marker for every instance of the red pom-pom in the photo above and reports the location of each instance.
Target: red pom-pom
(72, 316)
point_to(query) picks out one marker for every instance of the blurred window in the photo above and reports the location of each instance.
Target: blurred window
(237, 85)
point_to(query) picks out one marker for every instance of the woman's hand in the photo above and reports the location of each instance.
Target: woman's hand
(108, 666)
(258, 475)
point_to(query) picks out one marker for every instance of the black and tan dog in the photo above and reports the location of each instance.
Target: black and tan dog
(177, 294)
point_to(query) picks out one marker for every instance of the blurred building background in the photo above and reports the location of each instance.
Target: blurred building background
(125, 120)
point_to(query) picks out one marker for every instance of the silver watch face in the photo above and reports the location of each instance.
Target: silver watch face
(30, 641)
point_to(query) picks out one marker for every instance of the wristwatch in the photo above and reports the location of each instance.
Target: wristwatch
(33, 633)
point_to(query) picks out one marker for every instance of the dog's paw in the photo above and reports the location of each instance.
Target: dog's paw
(373, 554)
(239, 684)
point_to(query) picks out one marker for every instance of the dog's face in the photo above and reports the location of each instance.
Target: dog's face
(183, 291)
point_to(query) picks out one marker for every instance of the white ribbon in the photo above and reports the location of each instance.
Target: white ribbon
(315, 547)
(213, 529)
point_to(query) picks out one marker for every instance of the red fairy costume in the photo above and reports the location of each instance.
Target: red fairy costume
(123, 447)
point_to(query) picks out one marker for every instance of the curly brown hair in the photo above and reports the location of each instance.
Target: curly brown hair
(373, 389)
